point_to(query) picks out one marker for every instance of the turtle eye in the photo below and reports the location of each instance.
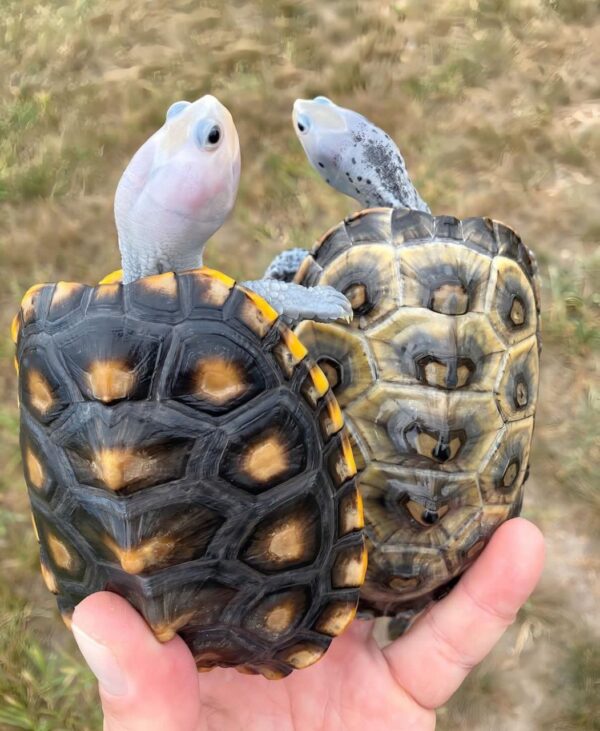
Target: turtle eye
(302, 123)
(208, 134)
(214, 135)
(323, 100)
(175, 109)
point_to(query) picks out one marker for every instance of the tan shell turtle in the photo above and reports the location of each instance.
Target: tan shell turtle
(437, 376)
(438, 373)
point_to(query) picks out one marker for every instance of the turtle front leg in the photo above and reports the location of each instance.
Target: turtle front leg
(295, 302)
(285, 265)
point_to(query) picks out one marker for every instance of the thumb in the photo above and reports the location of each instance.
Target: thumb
(143, 684)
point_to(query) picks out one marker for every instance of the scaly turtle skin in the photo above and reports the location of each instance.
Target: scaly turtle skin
(437, 376)
(181, 449)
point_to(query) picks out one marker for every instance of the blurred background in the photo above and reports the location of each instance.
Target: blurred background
(496, 107)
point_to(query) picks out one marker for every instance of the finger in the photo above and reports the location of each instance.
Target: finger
(143, 684)
(437, 653)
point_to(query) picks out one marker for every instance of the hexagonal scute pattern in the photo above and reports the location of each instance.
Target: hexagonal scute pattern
(182, 449)
(437, 378)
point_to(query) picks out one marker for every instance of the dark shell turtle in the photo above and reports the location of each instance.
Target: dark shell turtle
(437, 376)
(181, 449)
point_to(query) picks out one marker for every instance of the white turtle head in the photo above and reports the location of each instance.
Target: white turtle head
(353, 155)
(178, 189)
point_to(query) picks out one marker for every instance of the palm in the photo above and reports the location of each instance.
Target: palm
(357, 685)
(352, 683)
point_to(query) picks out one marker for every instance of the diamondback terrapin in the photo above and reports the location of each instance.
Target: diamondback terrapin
(437, 374)
(180, 447)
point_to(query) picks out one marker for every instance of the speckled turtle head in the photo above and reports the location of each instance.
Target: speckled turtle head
(178, 189)
(353, 155)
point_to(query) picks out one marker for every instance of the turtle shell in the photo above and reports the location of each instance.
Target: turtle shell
(181, 449)
(437, 376)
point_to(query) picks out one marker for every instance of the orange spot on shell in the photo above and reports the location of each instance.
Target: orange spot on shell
(110, 380)
(149, 553)
(40, 392)
(35, 471)
(60, 553)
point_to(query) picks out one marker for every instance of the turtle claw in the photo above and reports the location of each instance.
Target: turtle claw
(327, 304)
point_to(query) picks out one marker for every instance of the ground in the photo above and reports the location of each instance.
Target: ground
(496, 107)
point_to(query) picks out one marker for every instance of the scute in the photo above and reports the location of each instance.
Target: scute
(181, 448)
(438, 390)
(343, 355)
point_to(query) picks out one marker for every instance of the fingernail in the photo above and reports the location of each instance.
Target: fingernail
(102, 662)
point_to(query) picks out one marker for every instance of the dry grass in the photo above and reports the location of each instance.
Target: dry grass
(496, 105)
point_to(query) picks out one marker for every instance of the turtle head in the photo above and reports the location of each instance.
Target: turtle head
(178, 189)
(353, 155)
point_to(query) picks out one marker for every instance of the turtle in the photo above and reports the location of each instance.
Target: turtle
(180, 446)
(437, 374)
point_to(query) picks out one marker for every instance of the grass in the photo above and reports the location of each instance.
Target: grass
(496, 107)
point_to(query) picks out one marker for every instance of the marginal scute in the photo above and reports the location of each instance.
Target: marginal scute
(335, 618)
(511, 302)
(289, 352)
(256, 313)
(164, 285)
(350, 567)
(302, 655)
(315, 386)
(342, 463)
(107, 294)
(497, 481)
(15, 327)
(66, 297)
(49, 579)
(331, 418)
(351, 513)
(209, 287)
(115, 277)
(516, 391)
(260, 317)
(30, 301)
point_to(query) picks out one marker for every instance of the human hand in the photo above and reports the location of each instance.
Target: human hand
(149, 686)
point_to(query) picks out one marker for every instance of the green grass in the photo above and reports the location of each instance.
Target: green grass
(572, 312)
(41, 689)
